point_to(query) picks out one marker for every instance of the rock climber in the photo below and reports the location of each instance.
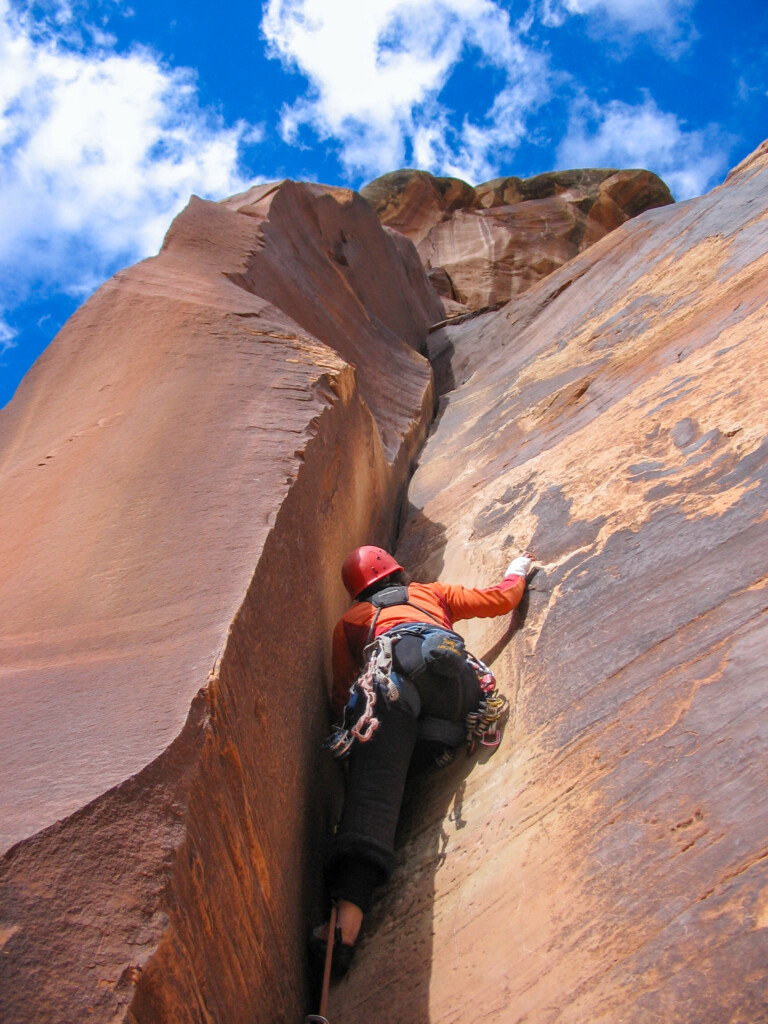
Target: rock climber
(415, 694)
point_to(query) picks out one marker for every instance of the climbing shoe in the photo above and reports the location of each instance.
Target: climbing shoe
(342, 953)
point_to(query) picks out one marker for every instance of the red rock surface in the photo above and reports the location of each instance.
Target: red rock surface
(610, 862)
(183, 471)
(485, 244)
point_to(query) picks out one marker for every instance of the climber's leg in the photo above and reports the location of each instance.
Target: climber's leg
(363, 850)
(374, 793)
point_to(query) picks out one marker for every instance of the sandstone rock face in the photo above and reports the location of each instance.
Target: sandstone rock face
(609, 862)
(484, 245)
(183, 471)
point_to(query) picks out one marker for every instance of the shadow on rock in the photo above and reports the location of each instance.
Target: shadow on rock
(421, 545)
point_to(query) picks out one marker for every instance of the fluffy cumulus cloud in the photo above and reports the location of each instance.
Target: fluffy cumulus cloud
(667, 23)
(623, 135)
(97, 152)
(376, 71)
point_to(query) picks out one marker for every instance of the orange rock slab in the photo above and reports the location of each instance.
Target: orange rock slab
(610, 861)
(183, 471)
(484, 245)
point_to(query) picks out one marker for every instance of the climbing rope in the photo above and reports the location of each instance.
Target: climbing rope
(320, 1018)
(375, 678)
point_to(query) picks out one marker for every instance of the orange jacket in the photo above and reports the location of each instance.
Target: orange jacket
(447, 602)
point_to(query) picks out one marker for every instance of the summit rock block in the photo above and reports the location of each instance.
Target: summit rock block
(483, 245)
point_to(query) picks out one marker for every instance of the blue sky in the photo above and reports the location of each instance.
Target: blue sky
(112, 114)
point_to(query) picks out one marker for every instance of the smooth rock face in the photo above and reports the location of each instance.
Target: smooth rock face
(485, 244)
(183, 471)
(608, 863)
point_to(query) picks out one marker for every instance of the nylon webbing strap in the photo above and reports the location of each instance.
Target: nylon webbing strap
(396, 604)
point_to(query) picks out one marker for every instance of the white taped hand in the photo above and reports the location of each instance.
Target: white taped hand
(519, 566)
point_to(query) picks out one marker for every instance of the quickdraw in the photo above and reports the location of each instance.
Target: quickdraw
(485, 676)
(447, 757)
(483, 722)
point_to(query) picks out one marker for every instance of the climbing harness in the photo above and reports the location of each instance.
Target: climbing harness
(441, 651)
(379, 679)
(390, 597)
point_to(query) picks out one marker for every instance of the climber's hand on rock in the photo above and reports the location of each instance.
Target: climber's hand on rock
(519, 566)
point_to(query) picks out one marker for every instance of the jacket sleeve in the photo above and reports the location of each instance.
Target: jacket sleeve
(344, 670)
(485, 602)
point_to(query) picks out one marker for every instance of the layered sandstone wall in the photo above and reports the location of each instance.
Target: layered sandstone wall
(610, 862)
(183, 471)
(483, 245)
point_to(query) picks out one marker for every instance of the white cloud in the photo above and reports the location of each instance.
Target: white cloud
(621, 135)
(98, 151)
(665, 22)
(473, 153)
(7, 334)
(376, 70)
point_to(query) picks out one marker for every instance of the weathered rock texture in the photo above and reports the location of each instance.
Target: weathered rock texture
(182, 473)
(485, 244)
(610, 862)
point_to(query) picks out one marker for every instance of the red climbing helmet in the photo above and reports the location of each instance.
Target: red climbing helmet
(365, 565)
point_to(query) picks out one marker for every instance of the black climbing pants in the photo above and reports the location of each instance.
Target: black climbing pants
(362, 853)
